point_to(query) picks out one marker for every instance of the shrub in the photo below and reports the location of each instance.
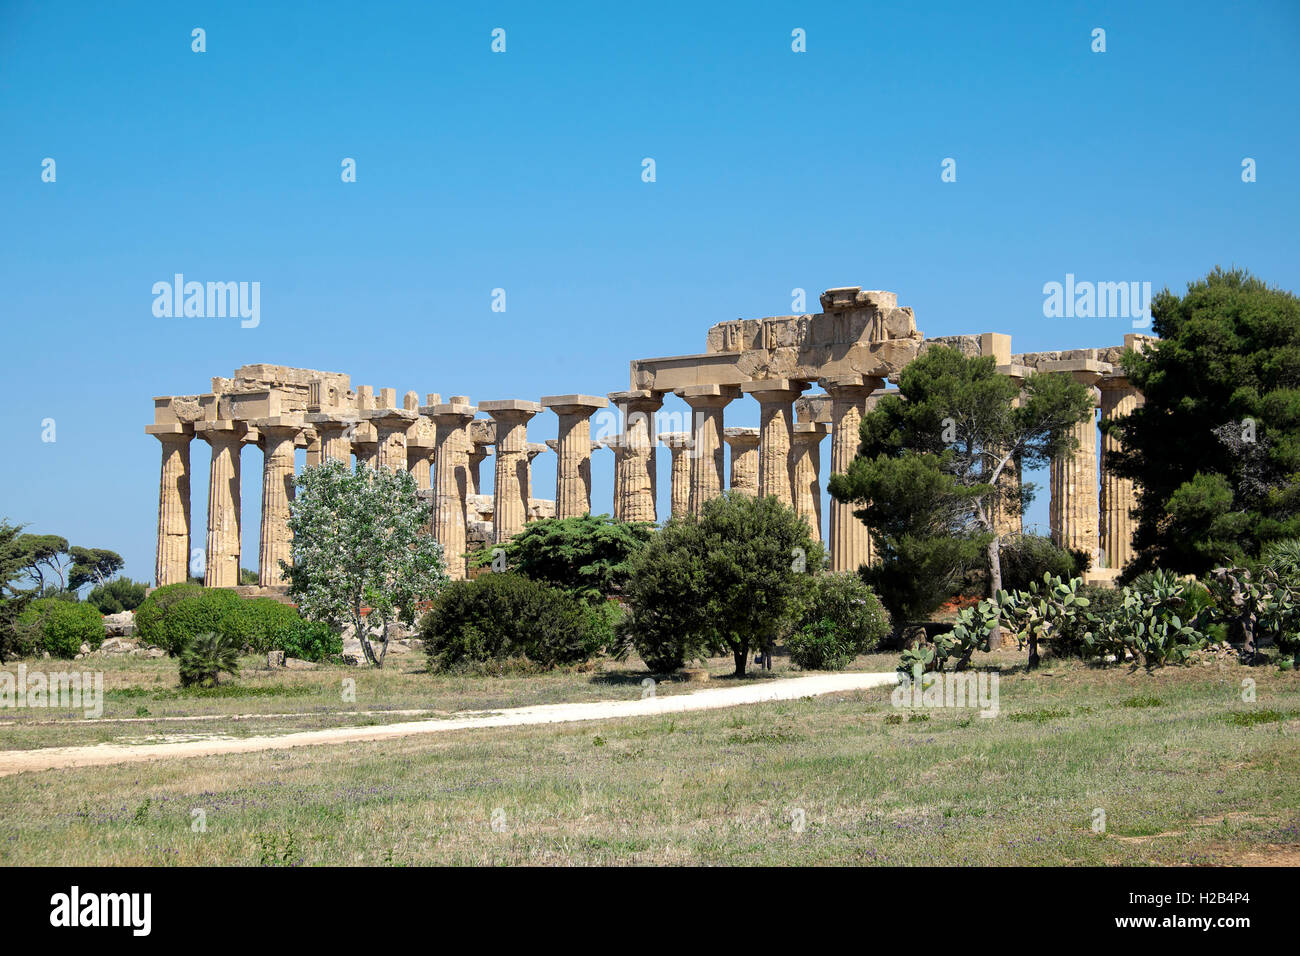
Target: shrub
(308, 640)
(1027, 557)
(59, 627)
(205, 655)
(149, 615)
(264, 622)
(498, 616)
(189, 611)
(1283, 558)
(1048, 608)
(1156, 621)
(842, 618)
(1103, 603)
(117, 595)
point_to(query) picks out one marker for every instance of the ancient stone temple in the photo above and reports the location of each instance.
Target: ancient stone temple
(850, 351)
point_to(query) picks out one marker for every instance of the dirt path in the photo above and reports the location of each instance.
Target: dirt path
(55, 758)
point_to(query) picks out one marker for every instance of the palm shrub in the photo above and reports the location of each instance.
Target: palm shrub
(842, 618)
(205, 656)
(1283, 558)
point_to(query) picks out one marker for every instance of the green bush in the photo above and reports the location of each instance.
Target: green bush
(59, 627)
(308, 640)
(186, 610)
(842, 618)
(1103, 603)
(117, 595)
(265, 622)
(1027, 557)
(1158, 621)
(1283, 557)
(499, 616)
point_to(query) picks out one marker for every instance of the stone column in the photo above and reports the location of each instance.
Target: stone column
(1074, 512)
(390, 425)
(1008, 520)
(708, 476)
(275, 541)
(173, 557)
(573, 451)
(365, 445)
(481, 435)
(419, 453)
(335, 433)
(315, 449)
(744, 459)
(615, 444)
(776, 400)
(677, 443)
(850, 541)
(634, 463)
(510, 488)
(1118, 495)
(806, 473)
(450, 481)
(224, 504)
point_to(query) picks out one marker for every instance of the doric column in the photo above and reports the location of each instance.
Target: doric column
(315, 449)
(450, 480)
(573, 451)
(481, 435)
(275, 542)
(1118, 496)
(224, 505)
(679, 444)
(1074, 511)
(806, 473)
(708, 476)
(850, 541)
(634, 462)
(510, 487)
(335, 431)
(615, 444)
(744, 459)
(776, 401)
(419, 453)
(173, 557)
(391, 425)
(365, 444)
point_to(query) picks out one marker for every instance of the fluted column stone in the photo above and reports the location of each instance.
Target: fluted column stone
(744, 459)
(1074, 511)
(776, 401)
(850, 540)
(634, 479)
(173, 555)
(573, 451)
(450, 480)
(707, 456)
(679, 445)
(510, 487)
(806, 473)
(275, 541)
(1118, 495)
(226, 438)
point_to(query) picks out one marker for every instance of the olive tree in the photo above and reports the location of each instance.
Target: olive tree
(361, 541)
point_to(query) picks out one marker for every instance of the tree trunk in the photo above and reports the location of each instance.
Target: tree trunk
(995, 585)
(739, 653)
(1033, 650)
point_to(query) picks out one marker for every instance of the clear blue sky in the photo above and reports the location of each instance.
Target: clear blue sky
(522, 170)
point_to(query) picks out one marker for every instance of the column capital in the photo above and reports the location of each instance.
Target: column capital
(741, 437)
(172, 431)
(574, 404)
(707, 396)
(775, 389)
(222, 430)
(391, 418)
(278, 428)
(677, 441)
(850, 385)
(449, 413)
(810, 433)
(510, 408)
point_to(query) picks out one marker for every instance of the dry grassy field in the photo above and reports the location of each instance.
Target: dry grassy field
(1184, 771)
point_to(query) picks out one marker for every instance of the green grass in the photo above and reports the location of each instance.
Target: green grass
(1200, 778)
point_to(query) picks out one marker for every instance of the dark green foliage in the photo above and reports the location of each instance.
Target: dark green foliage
(1027, 557)
(92, 566)
(205, 656)
(842, 618)
(117, 595)
(730, 579)
(929, 474)
(13, 599)
(171, 615)
(263, 622)
(1215, 447)
(495, 617)
(1283, 558)
(1103, 603)
(308, 640)
(46, 559)
(59, 627)
(587, 556)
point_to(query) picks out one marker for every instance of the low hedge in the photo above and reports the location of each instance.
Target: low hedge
(59, 627)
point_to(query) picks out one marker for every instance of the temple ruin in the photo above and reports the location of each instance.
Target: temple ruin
(858, 342)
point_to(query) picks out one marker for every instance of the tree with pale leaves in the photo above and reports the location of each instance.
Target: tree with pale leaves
(362, 552)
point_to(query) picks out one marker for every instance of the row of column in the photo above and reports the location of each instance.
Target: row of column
(781, 457)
